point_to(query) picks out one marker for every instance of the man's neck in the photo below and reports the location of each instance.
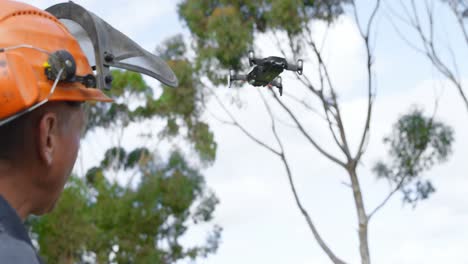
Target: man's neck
(14, 192)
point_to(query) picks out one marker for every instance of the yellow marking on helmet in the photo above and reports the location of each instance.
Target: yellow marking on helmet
(46, 64)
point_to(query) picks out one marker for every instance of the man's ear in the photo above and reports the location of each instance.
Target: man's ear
(48, 129)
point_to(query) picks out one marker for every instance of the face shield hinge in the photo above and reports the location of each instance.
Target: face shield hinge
(108, 57)
(63, 59)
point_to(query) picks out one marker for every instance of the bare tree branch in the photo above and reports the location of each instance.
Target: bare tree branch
(306, 105)
(461, 24)
(400, 34)
(370, 96)
(304, 212)
(319, 93)
(238, 125)
(428, 42)
(387, 198)
(219, 119)
(344, 145)
(304, 132)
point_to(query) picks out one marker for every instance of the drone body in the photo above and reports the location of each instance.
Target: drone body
(266, 71)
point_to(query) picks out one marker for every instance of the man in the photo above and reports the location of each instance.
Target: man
(41, 121)
(37, 153)
(41, 118)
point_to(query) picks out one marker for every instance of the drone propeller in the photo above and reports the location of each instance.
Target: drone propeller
(251, 57)
(300, 64)
(231, 72)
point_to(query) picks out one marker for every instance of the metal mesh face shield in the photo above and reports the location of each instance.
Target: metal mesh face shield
(107, 47)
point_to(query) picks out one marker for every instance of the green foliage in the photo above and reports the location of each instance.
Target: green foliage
(98, 215)
(204, 138)
(225, 30)
(173, 49)
(141, 222)
(416, 144)
(157, 211)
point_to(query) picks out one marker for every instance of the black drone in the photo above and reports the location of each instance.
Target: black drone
(266, 71)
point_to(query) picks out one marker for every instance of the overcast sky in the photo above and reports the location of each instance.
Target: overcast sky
(260, 219)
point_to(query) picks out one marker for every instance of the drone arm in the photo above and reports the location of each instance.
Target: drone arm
(292, 67)
(252, 58)
(236, 77)
(295, 67)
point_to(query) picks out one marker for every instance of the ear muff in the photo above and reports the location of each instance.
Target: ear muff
(58, 60)
(63, 59)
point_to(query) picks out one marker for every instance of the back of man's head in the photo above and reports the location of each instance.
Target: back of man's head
(18, 138)
(14, 137)
(38, 151)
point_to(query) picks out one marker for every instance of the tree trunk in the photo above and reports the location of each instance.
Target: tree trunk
(361, 214)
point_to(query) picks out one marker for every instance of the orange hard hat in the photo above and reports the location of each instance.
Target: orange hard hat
(23, 78)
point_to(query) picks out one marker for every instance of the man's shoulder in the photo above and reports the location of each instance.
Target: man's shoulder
(16, 251)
